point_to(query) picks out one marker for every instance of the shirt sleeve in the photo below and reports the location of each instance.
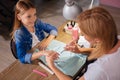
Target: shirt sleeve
(28, 58)
(22, 54)
(53, 32)
(95, 72)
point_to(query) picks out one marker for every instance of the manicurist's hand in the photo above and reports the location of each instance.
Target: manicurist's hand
(72, 46)
(50, 59)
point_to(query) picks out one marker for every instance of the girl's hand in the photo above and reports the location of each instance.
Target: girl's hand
(47, 52)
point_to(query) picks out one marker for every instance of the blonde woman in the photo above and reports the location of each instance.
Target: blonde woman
(98, 27)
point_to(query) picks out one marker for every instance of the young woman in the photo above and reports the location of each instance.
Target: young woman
(98, 27)
(29, 30)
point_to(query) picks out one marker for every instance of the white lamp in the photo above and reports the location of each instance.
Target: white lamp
(71, 9)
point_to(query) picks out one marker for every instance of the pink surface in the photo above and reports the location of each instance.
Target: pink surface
(113, 3)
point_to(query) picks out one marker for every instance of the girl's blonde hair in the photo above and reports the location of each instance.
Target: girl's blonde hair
(98, 23)
(20, 8)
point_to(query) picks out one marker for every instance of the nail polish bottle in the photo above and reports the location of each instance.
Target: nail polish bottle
(75, 34)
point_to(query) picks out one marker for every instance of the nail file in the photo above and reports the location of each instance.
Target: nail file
(40, 73)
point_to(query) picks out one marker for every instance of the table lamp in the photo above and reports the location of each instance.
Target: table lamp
(71, 9)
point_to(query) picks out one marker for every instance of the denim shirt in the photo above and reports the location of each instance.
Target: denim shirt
(23, 39)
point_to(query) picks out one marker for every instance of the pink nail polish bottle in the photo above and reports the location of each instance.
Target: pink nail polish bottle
(75, 35)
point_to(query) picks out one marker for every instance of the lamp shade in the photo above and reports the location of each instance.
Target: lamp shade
(70, 12)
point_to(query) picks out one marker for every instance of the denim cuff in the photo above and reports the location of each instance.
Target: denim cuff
(53, 32)
(28, 58)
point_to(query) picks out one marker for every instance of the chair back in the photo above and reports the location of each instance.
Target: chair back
(13, 48)
(83, 69)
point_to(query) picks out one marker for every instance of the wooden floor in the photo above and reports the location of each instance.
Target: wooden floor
(49, 11)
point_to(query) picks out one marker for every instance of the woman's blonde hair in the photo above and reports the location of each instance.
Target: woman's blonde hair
(20, 8)
(98, 23)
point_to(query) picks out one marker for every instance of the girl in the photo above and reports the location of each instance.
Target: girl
(29, 30)
(98, 27)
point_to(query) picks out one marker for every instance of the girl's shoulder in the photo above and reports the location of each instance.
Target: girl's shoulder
(22, 28)
(21, 31)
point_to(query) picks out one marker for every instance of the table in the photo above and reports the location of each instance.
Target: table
(19, 71)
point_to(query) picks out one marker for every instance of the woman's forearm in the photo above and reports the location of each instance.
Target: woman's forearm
(88, 50)
(59, 74)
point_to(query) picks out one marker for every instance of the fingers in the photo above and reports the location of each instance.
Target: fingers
(53, 56)
(70, 45)
(70, 48)
(50, 53)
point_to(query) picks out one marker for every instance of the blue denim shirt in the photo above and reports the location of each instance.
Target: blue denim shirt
(23, 39)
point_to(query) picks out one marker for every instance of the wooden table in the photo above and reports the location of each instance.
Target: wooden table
(19, 71)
